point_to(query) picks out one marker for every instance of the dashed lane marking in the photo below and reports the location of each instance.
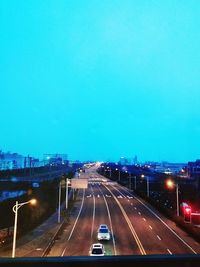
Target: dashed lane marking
(158, 237)
(169, 252)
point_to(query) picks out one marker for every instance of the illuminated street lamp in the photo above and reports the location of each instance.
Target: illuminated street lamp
(15, 210)
(67, 183)
(170, 184)
(147, 179)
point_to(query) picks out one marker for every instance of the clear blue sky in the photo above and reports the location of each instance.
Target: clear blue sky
(101, 79)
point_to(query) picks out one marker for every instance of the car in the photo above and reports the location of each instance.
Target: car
(97, 249)
(103, 233)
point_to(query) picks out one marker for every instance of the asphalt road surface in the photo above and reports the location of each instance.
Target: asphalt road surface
(136, 228)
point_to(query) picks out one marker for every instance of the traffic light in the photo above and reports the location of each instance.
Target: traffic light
(187, 214)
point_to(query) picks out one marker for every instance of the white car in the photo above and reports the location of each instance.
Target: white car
(103, 232)
(97, 250)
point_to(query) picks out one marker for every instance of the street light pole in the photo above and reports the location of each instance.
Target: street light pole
(177, 200)
(171, 184)
(119, 177)
(15, 210)
(59, 200)
(147, 186)
(135, 182)
(66, 194)
(129, 180)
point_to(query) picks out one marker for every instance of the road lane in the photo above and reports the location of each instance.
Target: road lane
(169, 238)
(101, 217)
(79, 240)
(126, 242)
(136, 230)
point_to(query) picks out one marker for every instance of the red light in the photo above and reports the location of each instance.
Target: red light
(187, 210)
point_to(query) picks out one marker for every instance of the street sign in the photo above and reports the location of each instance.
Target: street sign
(79, 183)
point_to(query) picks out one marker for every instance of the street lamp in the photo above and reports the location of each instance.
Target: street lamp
(147, 179)
(170, 184)
(119, 174)
(109, 169)
(135, 182)
(147, 186)
(129, 180)
(15, 210)
(67, 183)
(110, 172)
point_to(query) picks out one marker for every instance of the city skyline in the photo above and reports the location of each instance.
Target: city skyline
(100, 80)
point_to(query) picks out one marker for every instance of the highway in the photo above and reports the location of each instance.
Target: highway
(136, 228)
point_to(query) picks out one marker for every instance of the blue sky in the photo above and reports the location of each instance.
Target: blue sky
(101, 79)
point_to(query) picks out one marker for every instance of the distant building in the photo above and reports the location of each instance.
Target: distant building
(166, 167)
(10, 161)
(193, 168)
(135, 160)
(124, 161)
(55, 159)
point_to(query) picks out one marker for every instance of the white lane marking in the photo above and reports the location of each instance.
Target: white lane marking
(93, 216)
(119, 192)
(38, 249)
(135, 208)
(108, 195)
(166, 225)
(77, 216)
(140, 246)
(120, 196)
(158, 237)
(89, 195)
(98, 195)
(139, 213)
(144, 219)
(150, 227)
(75, 221)
(169, 251)
(111, 228)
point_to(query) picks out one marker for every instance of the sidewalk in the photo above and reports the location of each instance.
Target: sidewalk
(35, 242)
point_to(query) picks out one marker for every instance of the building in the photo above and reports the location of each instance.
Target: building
(125, 161)
(11, 161)
(193, 168)
(55, 159)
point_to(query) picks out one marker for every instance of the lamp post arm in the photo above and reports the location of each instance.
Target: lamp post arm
(19, 205)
